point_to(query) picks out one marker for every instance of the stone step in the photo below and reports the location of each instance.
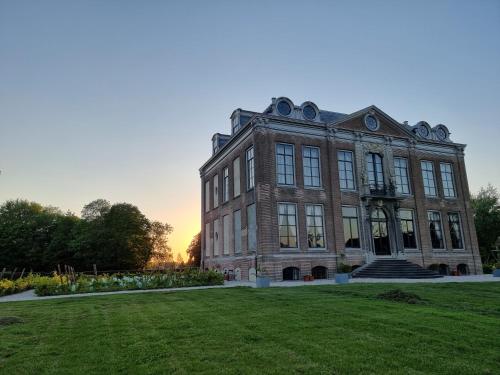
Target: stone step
(392, 269)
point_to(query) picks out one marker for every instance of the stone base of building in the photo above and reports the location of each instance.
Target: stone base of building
(281, 267)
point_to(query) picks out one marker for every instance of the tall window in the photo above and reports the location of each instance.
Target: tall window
(227, 227)
(216, 237)
(351, 231)
(225, 184)
(207, 196)
(208, 241)
(216, 190)
(401, 175)
(408, 229)
(252, 228)
(375, 171)
(346, 171)
(236, 177)
(285, 164)
(455, 230)
(287, 219)
(315, 226)
(237, 231)
(312, 175)
(428, 177)
(448, 180)
(250, 169)
(436, 229)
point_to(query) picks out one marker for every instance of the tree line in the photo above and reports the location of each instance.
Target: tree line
(113, 237)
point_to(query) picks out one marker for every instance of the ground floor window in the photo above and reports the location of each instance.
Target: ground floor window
(435, 229)
(408, 229)
(291, 273)
(319, 272)
(315, 228)
(462, 269)
(287, 220)
(455, 230)
(351, 231)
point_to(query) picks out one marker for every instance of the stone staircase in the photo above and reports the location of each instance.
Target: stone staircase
(394, 269)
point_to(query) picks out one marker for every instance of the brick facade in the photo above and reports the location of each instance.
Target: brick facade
(348, 132)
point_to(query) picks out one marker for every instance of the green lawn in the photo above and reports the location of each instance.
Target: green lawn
(335, 329)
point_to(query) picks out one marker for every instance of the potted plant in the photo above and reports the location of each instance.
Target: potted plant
(261, 280)
(343, 273)
(308, 278)
(496, 271)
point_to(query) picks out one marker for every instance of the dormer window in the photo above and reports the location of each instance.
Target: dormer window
(284, 108)
(236, 124)
(309, 112)
(215, 145)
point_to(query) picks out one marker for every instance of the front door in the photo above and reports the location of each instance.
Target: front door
(380, 233)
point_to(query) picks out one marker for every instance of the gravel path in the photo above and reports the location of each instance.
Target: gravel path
(29, 295)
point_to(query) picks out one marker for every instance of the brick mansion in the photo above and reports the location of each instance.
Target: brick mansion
(296, 190)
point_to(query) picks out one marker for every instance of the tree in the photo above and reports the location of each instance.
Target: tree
(487, 220)
(26, 231)
(179, 261)
(95, 209)
(194, 251)
(161, 255)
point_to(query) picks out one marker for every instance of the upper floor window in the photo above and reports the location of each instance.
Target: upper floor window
(448, 180)
(285, 164)
(216, 190)
(250, 168)
(287, 220)
(435, 229)
(455, 230)
(236, 177)
(351, 229)
(401, 175)
(315, 226)
(408, 229)
(225, 184)
(207, 196)
(375, 171)
(428, 177)
(346, 170)
(312, 175)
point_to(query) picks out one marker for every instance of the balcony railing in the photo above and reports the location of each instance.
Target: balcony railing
(381, 190)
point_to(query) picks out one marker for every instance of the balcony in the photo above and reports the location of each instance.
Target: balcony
(380, 190)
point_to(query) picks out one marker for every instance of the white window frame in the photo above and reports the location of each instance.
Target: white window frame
(250, 168)
(236, 178)
(442, 230)
(353, 170)
(424, 179)
(216, 237)
(451, 180)
(216, 190)
(226, 230)
(293, 184)
(322, 223)
(207, 196)
(304, 147)
(415, 229)
(225, 184)
(357, 223)
(396, 176)
(237, 232)
(296, 227)
(460, 227)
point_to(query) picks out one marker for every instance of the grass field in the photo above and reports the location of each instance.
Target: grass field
(334, 329)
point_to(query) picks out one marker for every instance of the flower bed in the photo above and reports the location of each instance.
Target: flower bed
(16, 286)
(57, 284)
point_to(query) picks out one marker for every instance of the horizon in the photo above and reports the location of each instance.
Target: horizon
(119, 100)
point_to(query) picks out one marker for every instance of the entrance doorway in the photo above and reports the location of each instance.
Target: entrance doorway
(380, 233)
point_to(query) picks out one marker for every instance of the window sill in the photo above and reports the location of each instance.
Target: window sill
(314, 187)
(286, 186)
(318, 249)
(348, 191)
(352, 248)
(289, 250)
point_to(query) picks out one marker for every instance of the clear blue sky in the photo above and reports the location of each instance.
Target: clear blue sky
(119, 99)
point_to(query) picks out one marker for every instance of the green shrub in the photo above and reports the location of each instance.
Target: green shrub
(107, 283)
(487, 268)
(344, 268)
